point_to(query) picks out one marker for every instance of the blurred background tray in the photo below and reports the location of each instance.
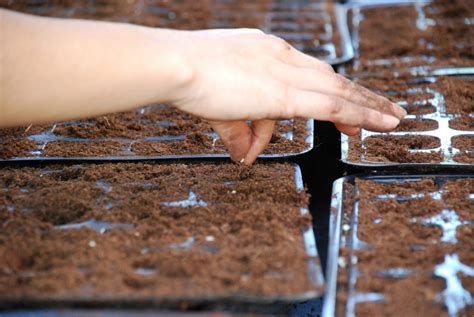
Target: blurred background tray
(424, 38)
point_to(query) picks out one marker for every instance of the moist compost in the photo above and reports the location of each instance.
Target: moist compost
(434, 34)
(463, 124)
(402, 149)
(155, 130)
(465, 144)
(417, 125)
(398, 253)
(151, 230)
(428, 102)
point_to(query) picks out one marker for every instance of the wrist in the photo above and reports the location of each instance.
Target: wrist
(173, 71)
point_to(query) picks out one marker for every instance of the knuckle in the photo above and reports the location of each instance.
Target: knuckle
(278, 44)
(344, 85)
(325, 66)
(369, 118)
(251, 31)
(328, 68)
(258, 31)
(335, 108)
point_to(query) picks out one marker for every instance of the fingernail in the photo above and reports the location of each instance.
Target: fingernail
(242, 160)
(390, 121)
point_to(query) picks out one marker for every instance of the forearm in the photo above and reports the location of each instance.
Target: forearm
(57, 69)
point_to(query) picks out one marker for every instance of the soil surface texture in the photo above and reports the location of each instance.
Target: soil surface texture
(434, 106)
(434, 34)
(399, 246)
(135, 229)
(156, 130)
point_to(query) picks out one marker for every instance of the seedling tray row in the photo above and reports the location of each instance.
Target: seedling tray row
(415, 47)
(150, 133)
(401, 245)
(436, 134)
(156, 235)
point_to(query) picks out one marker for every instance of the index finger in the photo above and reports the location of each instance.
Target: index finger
(333, 84)
(309, 104)
(359, 94)
(236, 135)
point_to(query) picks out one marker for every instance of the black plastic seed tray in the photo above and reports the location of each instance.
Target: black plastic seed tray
(153, 132)
(111, 187)
(317, 27)
(363, 266)
(403, 61)
(431, 102)
(314, 27)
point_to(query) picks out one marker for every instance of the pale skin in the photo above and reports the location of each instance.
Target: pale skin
(61, 69)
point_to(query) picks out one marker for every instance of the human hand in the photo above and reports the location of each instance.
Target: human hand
(227, 77)
(245, 75)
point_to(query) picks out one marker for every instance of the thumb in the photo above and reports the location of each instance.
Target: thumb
(347, 129)
(236, 135)
(262, 131)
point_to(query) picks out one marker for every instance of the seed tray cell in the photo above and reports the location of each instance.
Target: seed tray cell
(437, 132)
(417, 42)
(152, 132)
(156, 235)
(317, 27)
(432, 9)
(401, 246)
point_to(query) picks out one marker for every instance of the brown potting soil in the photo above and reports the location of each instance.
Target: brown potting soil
(420, 301)
(244, 236)
(448, 42)
(464, 142)
(396, 238)
(81, 149)
(11, 146)
(466, 145)
(420, 110)
(441, 10)
(457, 91)
(125, 134)
(401, 149)
(417, 125)
(454, 195)
(464, 157)
(458, 94)
(463, 124)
